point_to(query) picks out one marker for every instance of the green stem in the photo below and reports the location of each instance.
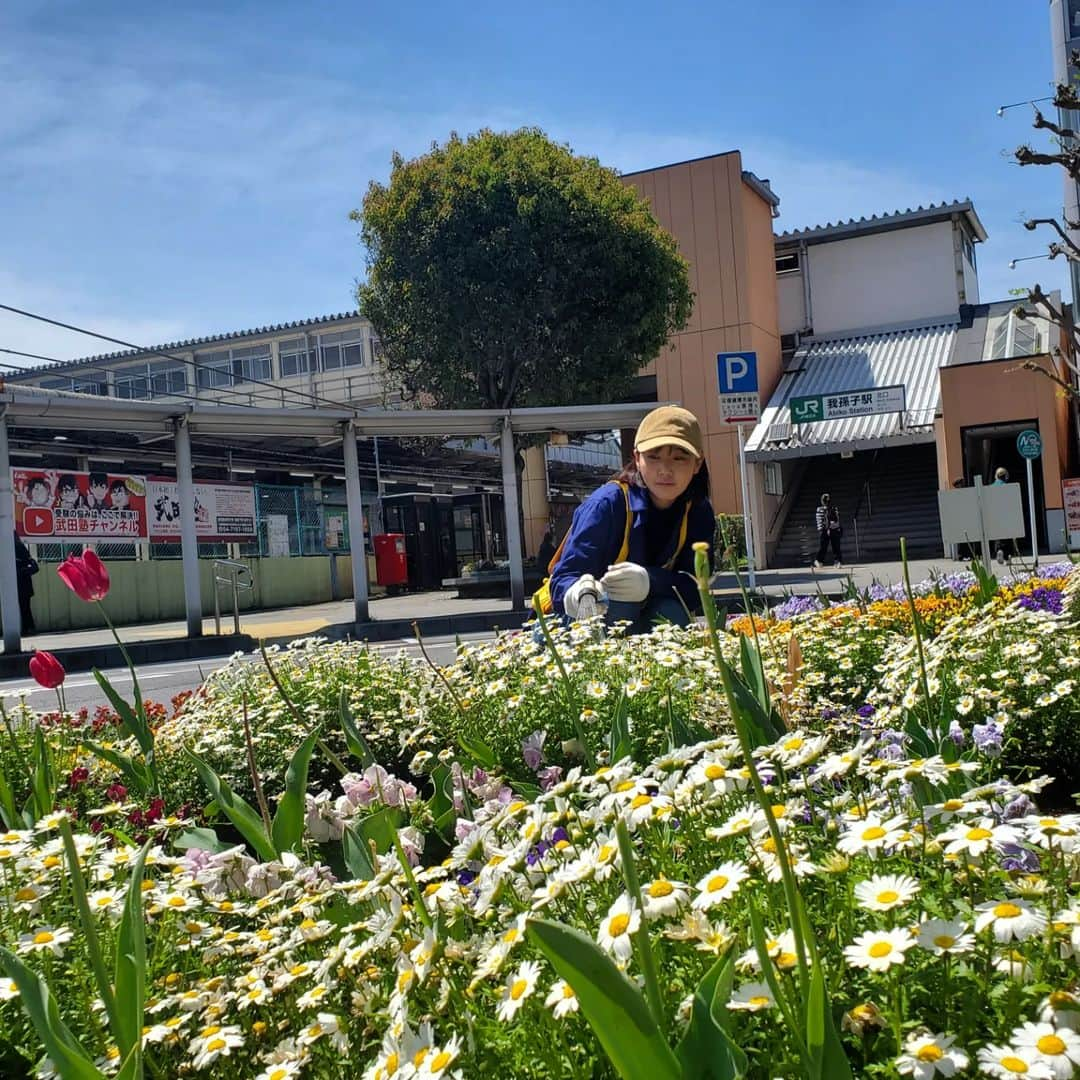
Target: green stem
(641, 938)
(786, 874)
(573, 701)
(414, 886)
(917, 626)
(93, 947)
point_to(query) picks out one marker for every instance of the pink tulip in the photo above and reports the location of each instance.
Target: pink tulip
(85, 575)
(47, 670)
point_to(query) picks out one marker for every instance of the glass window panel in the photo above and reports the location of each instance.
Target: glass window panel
(331, 357)
(354, 354)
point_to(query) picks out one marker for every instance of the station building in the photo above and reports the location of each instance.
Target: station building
(890, 301)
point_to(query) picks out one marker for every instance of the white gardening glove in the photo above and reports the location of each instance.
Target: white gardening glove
(586, 585)
(626, 581)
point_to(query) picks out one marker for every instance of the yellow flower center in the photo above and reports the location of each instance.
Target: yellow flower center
(1061, 997)
(519, 987)
(43, 937)
(715, 772)
(944, 941)
(638, 801)
(661, 888)
(49, 862)
(875, 832)
(929, 1052)
(215, 1044)
(392, 1061)
(717, 883)
(1007, 911)
(889, 896)
(511, 935)
(979, 834)
(567, 992)
(778, 810)
(759, 1000)
(26, 893)
(1013, 1064)
(442, 1059)
(278, 1074)
(618, 925)
(794, 744)
(1051, 1044)
(420, 1055)
(952, 804)
(880, 949)
(605, 853)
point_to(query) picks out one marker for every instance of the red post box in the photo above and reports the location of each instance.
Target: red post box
(391, 566)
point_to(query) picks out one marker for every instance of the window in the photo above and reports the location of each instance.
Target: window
(774, 478)
(214, 369)
(167, 380)
(968, 246)
(295, 359)
(787, 263)
(1013, 337)
(345, 349)
(251, 363)
(91, 385)
(133, 387)
(56, 384)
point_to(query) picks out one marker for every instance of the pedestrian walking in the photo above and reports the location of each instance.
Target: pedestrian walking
(1001, 476)
(827, 519)
(25, 568)
(546, 551)
(630, 545)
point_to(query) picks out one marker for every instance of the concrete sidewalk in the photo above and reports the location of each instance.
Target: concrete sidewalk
(437, 612)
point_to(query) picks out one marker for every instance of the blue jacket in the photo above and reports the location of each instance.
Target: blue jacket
(596, 535)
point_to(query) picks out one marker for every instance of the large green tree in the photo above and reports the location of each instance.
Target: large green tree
(505, 271)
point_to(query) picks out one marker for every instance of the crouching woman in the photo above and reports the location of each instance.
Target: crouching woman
(631, 542)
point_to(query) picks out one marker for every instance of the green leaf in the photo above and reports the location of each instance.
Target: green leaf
(827, 1060)
(441, 803)
(753, 671)
(134, 723)
(43, 791)
(8, 808)
(479, 751)
(201, 839)
(759, 723)
(382, 827)
(707, 1050)
(288, 825)
(246, 820)
(356, 743)
(130, 968)
(614, 1007)
(134, 771)
(67, 1053)
(619, 744)
(357, 854)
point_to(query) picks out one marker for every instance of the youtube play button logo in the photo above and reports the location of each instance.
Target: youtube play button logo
(37, 521)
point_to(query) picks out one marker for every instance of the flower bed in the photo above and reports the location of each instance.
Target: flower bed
(880, 887)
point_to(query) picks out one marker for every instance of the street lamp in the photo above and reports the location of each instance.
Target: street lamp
(1003, 109)
(1026, 258)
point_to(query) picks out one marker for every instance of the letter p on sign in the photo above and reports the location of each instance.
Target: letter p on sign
(737, 372)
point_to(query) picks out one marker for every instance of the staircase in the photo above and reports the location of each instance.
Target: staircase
(881, 495)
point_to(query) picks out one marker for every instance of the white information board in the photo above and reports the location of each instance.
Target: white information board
(1002, 513)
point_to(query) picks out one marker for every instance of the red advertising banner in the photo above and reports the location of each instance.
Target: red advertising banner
(53, 505)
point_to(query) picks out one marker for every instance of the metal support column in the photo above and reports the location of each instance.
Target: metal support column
(513, 522)
(189, 542)
(9, 579)
(356, 525)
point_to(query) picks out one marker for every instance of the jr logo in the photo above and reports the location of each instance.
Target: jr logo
(805, 409)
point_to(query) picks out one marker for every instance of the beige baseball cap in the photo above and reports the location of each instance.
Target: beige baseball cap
(670, 425)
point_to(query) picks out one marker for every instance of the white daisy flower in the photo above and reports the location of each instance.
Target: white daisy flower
(879, 950)
(752, 997)
(561, 999)
(44, 939)
(662, 897)
(519, 985)
(873, 834)
(976, 837)
(1010, 919)
(617, 927)
(1062, 1009)
(945, 936)
(1008, 1062)
(1057, 1047)
(883, 892)
(926, 1056)
(719, 884)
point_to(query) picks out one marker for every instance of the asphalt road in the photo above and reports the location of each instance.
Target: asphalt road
(161, 682)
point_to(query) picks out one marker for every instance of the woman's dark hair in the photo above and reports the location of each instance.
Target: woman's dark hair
(66, 483)
(117, 485)
(698, 491)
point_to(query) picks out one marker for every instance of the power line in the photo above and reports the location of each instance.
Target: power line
(158, 352)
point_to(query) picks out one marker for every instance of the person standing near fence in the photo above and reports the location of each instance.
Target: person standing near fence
(25, 568)
(827, 519)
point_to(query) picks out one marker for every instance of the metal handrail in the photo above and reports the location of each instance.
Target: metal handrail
(234, 578)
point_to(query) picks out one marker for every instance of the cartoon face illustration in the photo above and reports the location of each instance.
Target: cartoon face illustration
(68, 492)
(99, 487)
(37, 491)
(119, 495)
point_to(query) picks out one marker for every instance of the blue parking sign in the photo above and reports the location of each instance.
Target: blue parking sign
(737, 372)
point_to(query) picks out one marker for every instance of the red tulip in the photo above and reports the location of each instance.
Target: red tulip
(47, 670)
(85, 575)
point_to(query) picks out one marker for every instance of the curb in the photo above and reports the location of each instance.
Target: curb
(86, 657)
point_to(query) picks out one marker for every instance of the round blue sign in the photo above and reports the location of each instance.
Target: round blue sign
(1029, 443)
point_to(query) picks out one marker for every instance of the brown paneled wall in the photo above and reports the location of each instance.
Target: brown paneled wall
(724, 229)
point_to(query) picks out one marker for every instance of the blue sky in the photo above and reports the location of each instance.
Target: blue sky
(177, 170)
